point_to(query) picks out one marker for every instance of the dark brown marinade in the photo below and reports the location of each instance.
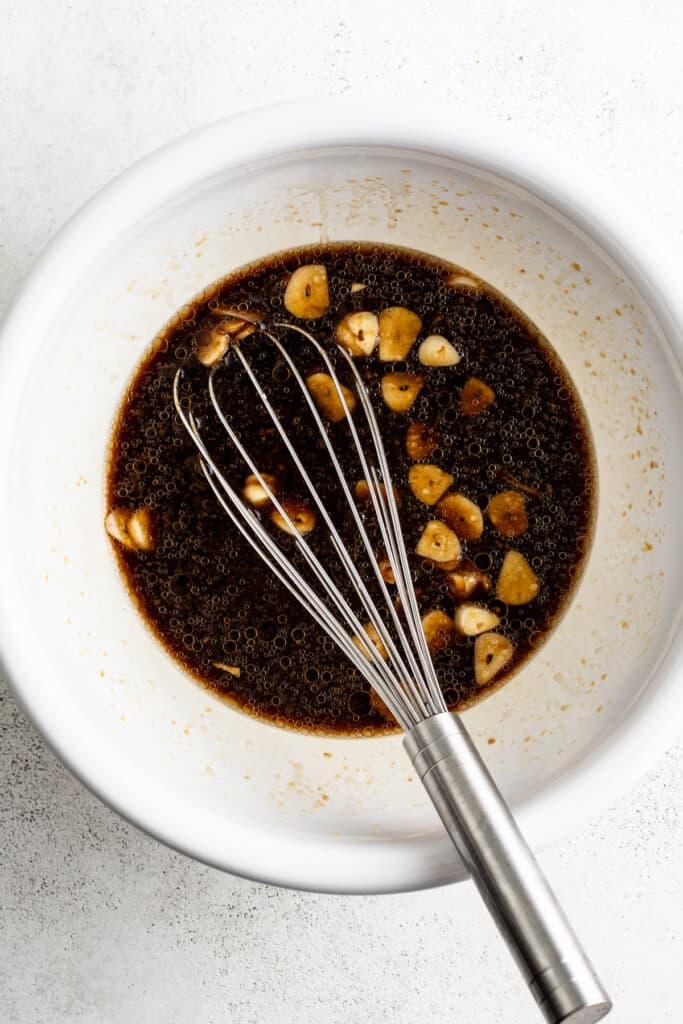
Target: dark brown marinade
(207, 596)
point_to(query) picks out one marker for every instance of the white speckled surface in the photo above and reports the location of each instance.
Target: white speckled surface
(101, 925)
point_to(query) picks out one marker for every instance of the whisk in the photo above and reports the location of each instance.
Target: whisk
(398, 665)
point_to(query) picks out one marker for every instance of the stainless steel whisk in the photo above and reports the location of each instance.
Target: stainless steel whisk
(560, 976)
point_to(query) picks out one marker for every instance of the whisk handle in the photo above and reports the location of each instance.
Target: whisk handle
(558, 972)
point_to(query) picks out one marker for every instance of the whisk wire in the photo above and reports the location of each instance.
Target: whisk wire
(314, 563)
(365, 659)
(340, 548)
(410, 674)
(409, 678)
(317, 609)
(392, 535)
(320, 572)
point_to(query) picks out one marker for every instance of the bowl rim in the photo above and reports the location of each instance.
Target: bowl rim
(647, 728)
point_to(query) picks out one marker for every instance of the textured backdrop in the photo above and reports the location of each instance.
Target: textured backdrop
(101, 925)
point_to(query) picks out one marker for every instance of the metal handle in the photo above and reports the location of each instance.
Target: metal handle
(503, 868)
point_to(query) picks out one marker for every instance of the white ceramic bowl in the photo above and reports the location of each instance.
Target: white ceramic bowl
(590, 712)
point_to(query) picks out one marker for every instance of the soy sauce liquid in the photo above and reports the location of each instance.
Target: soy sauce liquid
(208, 597)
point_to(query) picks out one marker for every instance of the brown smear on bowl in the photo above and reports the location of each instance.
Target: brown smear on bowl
(502, 417)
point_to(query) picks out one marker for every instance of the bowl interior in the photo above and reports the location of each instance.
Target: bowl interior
(346, 814)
